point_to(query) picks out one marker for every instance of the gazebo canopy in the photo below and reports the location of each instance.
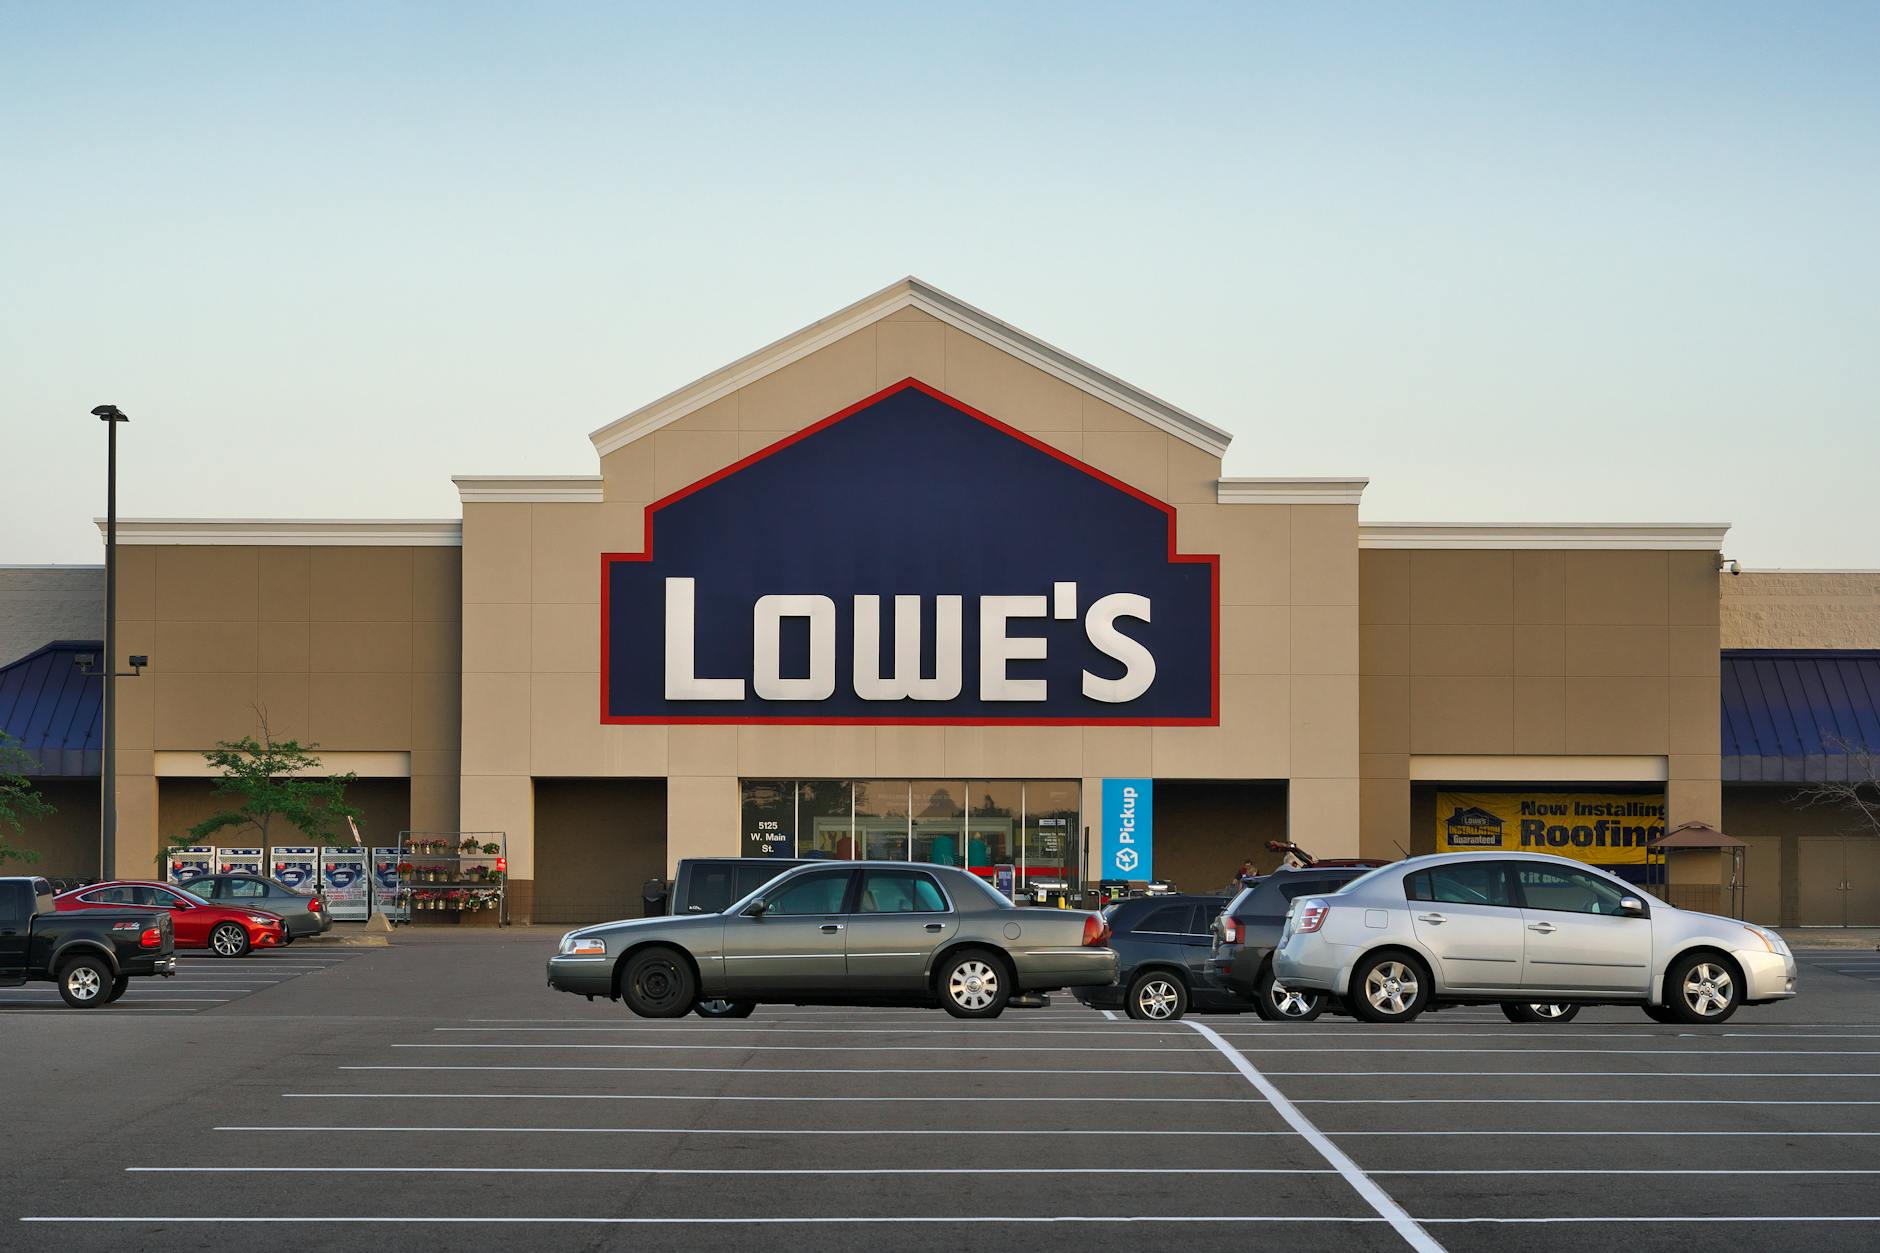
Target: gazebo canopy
(1695, 835)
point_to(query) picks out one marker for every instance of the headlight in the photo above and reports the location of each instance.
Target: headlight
(1770, 940)
(262, 921)
(573, 945)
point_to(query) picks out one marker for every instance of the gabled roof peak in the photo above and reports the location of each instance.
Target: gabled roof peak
(912, 292)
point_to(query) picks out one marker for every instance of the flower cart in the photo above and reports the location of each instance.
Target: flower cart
(452, 877)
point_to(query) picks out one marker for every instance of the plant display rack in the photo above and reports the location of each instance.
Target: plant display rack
(451, 875)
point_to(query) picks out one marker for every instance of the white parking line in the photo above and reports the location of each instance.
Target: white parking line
(828, 1219)
(852, 1133)
(872, 1100)
(897, 1075)
(1109, 1015)
(720, 1170)
(1374, 1196)
(825, 1048)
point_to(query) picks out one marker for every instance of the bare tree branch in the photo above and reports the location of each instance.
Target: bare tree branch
(1858, 794)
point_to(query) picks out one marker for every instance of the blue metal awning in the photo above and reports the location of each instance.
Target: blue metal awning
(1786, 714)
(53, 712)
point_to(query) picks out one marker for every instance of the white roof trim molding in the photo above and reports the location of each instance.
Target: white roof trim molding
(1638, 536)
(525, 489)
(1289, 491)
(912, 293)
(292, 532)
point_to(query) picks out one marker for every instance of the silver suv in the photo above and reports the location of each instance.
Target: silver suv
(1511, 929)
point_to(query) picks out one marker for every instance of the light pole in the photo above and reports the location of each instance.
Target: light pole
(110, 415)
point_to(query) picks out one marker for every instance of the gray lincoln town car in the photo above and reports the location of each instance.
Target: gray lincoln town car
(1517, 929)
(842, 933)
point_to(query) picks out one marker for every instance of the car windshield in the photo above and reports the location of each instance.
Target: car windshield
(989, 892)
(738, 905)
(1366, 877)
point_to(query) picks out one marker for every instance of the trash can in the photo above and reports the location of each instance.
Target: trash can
(653, 898)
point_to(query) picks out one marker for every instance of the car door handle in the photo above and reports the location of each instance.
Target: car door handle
(1433, 919)
(830, 928)
(1545, 928)
(935, 927)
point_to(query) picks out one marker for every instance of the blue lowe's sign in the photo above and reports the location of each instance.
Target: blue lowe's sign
(910, 560)
(1129, 828)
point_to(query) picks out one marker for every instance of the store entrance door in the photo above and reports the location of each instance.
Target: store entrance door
(1840, 881)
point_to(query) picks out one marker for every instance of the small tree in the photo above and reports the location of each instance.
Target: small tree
(1858, 794)
(270, 782)
(19, 799)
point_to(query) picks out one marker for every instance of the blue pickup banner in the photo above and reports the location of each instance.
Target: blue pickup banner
(910, 560)
(1129, 828)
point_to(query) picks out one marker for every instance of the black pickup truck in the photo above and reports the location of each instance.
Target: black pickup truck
(91, 954)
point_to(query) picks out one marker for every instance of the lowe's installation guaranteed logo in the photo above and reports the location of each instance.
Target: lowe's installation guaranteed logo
(910, 560)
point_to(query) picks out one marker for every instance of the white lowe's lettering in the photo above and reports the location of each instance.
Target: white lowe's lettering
(998, 649)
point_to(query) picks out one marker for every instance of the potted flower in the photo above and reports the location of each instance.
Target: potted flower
(492, 848)
(469, 844)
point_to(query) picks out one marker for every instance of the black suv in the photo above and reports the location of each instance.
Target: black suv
(1162, 945)
(1247, 932)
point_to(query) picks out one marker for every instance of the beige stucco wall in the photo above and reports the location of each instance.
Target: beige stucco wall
(352, 648)
(531, 685)
(1564, 654)
(1800, 609)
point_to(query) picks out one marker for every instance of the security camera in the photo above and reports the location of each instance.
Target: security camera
(1728, 565)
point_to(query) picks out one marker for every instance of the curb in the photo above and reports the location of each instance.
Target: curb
(347, 941)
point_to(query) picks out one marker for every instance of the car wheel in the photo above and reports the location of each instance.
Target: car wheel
(1275, 1002)
(119, 986)
(718, 1007)
(85, 983)
(1702, 988)
(658, 983)
(1156, 996)
(1658, 1013)
(1389, 987)
(973, 984)
(229, 940)
(1540, 1011)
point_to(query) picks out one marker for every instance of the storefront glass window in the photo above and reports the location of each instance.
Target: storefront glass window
(992, 826)
(769, 818)
(881, 819)
(825, 817)
(939, 834)
(1050, 850)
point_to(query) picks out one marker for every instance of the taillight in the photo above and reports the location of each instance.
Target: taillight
(1312, 915)
(1096, 930)
(313, 904)
(1230, 931)
(151, 938)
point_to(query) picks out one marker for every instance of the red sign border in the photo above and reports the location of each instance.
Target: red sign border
(1211, 560)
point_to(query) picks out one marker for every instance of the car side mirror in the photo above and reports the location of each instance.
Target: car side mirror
(1632, 906)
(756, 909)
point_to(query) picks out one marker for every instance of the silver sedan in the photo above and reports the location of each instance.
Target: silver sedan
(1514, 929)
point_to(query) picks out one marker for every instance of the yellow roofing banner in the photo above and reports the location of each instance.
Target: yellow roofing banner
(1602, 828)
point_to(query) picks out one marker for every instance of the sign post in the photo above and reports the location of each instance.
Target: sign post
(1129, 829)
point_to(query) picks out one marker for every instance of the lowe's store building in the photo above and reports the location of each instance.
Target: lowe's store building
(912, 583)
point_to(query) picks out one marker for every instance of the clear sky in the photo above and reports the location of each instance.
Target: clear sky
(1578, 262)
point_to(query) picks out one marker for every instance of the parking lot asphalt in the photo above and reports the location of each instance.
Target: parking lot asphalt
(436, 1093)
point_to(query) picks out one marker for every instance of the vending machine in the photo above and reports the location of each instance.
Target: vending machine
(386, 882)
(239, 861)
(298, 867)
(343, 872)
(188, 863)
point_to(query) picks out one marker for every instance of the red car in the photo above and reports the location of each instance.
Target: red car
(198, 923)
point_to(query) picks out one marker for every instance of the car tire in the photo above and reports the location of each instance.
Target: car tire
(718, 1007)
(974, 984)
(85, 982)
(1274, 1003)
(1540, 1011)
(119, 986)
(658, 983)
(1389, 987)
(1658, 1013)
(1156, 996)
(229, 939)
(1702, 988)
